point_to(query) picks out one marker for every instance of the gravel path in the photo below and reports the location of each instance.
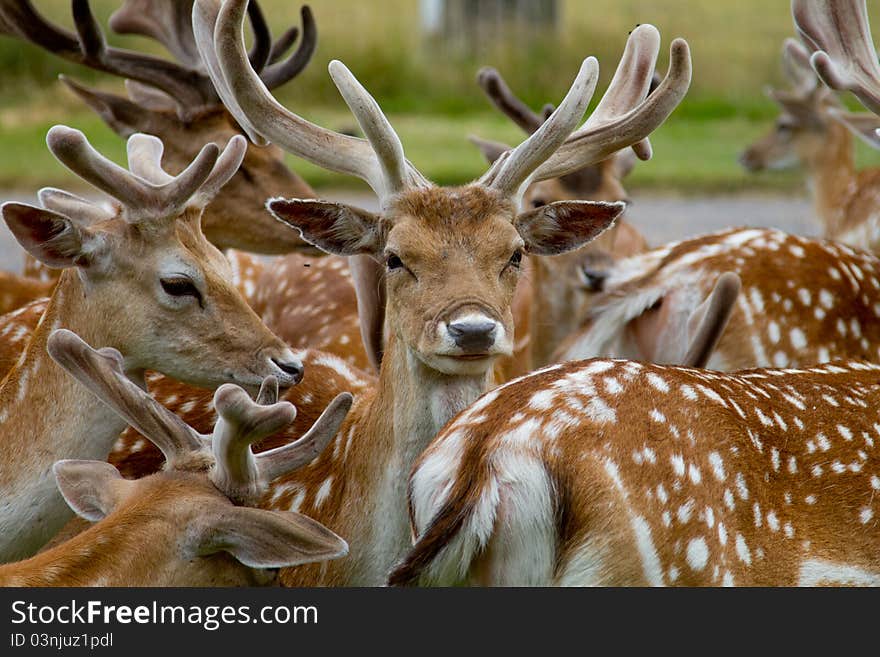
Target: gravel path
(662, 218)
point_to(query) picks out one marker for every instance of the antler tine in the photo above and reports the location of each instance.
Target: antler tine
(844, 56)
(283, 44)
(796, 64)
(280, 73)
(101, 372)
(608, 131)
(144, 198)
(145, 158)
(494, 86)
(240, 423)
(262, 44)
(220, 40)
(283, 460)
(72, 206)
(88, 47)
(510, 173)
(226, 166)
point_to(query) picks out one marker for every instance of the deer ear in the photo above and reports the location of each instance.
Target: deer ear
(52, 238)
(90, 488)
(565, 225)
(122, 115)
(268, 539)
(863, 125)
(332, 227)
(491, 150)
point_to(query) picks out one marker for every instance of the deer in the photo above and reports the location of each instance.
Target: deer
(556, 292)
(451, 259)
(143, 280)
(177, 102)
(804, 301)
(814, 129)
(193, 523)
(625, 473)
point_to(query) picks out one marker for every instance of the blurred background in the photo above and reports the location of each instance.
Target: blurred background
(420, 57)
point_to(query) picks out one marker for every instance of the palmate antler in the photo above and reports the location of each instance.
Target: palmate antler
(843, 55)
(241, 422)
(169, 22)
(623, 118)
(146, 192)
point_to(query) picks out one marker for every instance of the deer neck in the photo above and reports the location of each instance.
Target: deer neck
(553, 313)
(412, 404)
(45, 416)
(832, 178)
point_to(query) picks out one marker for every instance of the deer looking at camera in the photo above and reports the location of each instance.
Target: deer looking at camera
(189, 525)
(814, 129)
(143, 280)
(556, 292)
(451, 258)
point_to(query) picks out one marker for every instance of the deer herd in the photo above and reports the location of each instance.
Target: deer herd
(212, 377)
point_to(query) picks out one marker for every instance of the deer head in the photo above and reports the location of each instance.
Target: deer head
(176, 101)
(451, 255)
(811, 119)
(145, 275)
(202, 496)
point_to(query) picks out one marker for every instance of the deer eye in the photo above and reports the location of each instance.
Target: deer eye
(515, 260)
(538, 203)
(179, 286)
(393, 262)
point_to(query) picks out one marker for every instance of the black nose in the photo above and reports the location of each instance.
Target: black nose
(293, 369)
(473, 337)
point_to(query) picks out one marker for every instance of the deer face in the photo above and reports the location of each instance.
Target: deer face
(452, 258)
(182, 314)
(799, 134)
(163, 294)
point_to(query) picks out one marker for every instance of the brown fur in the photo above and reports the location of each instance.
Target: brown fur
(790, 475)
(803, 301)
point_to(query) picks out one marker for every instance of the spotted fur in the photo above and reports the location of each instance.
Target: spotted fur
(612, 472)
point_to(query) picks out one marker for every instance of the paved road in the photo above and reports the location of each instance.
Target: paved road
(661, 217)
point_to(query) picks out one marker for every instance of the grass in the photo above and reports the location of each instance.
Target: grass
(429, 93)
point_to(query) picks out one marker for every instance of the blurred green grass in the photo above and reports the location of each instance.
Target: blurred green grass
(430, 95)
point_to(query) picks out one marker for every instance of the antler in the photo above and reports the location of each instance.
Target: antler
(87, 47)
(379, 161)
(101, 372)
(496, 89)
(147, 192)
(241, 422)
(839, 34)
(170, 23)
(625, 117)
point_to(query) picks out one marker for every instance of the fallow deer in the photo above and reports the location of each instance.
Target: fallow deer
(176, 101)
(451, 258)
(814, 129)
(555, 293)
(189, 113)
(144, 281)
(618, 473)
(190, 524)
(803, 301)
